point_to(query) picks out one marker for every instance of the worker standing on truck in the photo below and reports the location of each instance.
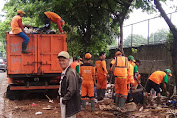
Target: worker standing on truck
(55, 18)
(101, 75)
(17, 28)
(119, 66)
(69, 90)
(154, 81)
(87, 72)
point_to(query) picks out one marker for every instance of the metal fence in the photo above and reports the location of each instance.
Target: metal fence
(150, 31)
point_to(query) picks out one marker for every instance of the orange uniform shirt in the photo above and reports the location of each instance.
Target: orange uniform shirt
(15, 25)
(74, 64)
(87, 71)
(53, 16)
(130, 72)
(157, 77)
(100, 66)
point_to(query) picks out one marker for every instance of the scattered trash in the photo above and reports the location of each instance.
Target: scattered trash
(141, 108)
(51, 101)
(105, 107)
(38, 113)
(33, 105)
(131, 106)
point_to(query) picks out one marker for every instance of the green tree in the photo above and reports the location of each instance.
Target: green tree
(134, 40)
(91, 24)
(159, 37)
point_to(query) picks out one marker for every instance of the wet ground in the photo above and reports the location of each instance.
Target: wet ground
(36, 105)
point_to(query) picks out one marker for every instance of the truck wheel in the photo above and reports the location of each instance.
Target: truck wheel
(4, 70)
(12, 95)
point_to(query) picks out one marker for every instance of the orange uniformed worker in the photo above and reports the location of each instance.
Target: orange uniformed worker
(130, 77)
(87, 72)
(17, 28)
(55, 18)
(119, 66)
(154, 81)
(101, 75)
(76, 64)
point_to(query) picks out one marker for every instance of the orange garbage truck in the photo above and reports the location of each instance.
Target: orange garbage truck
(38, 70)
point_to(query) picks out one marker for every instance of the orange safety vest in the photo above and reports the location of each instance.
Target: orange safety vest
(100, 66)
(157, 77)
(130, 72)
(120, 66)
(87, 71)
(53, 16)
(14, 24)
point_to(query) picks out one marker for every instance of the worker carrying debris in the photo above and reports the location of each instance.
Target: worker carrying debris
(154, 81)
(55, 18)
(119, 66)
(17, 28)
(101, 75)
(87, 72)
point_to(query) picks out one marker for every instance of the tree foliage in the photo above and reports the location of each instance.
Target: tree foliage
(91, 24)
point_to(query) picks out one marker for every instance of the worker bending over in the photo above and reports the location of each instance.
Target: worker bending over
(76, 64)
(154, 81)
(87, 72)
(17, 28)
(55, 18)
(101, 76)
(119, 67)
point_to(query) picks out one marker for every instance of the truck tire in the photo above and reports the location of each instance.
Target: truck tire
(12, 95)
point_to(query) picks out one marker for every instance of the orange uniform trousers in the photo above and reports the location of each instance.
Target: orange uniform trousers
(87, 88)
(102, 81)
(121, 87)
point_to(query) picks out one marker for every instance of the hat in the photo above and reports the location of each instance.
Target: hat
(118, 53)
(62, 22)
(78, 57)
(20, 11)
(63, 54)
(131, 58)
(88, 56)
(168, 71)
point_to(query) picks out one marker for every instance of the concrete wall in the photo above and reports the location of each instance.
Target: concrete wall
(153, 57)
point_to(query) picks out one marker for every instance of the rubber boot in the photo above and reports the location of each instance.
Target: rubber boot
(83, 105)
(99, 94)
(24, 46)
(145, 101)
(117, 101)
(103, 93)
(92, 105)
(158, 101)
(122, 102)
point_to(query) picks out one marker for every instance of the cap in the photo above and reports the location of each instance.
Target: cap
(62, 22)
(118, 53)
(63, 54)
(88, 55)
(131, 58)
(20, 11)
(78, 57)
(168, 71)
